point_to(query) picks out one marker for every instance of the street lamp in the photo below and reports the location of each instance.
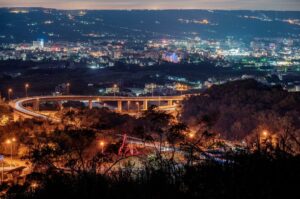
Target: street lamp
(68, 88)
(191, 135)
(34, 185)
(263, 136)
(10, 142)
(115, 89)
(9, 92)
(152, 86)
(26, 89)
(265, 133)
(102, 143)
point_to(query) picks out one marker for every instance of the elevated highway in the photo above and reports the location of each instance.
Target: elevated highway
(19, 105)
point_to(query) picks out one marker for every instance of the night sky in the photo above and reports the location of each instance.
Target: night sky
(157, 4)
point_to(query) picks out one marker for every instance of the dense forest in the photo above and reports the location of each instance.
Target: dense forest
(239, 109)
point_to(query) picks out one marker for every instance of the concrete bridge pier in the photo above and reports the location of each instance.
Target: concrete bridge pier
(145, 105)
(36, 105)
(90, 104)
(128, 105)
(60, 105)
(99, 102)
(119, 106)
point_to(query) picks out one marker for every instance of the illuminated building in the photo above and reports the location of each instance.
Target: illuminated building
(171, 57)
(38, 44)
(150, 88)
(113, 89)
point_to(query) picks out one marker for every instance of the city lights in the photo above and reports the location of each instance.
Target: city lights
(26, 89)
(102, 144)
(10, 142)
(174, 102)
(9, 92)
(265, 133)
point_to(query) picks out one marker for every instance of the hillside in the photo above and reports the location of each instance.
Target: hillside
(241, 108)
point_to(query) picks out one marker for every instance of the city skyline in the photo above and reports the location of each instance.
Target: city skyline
(156, 4)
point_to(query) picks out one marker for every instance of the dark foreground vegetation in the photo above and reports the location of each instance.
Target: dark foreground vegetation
(249, 176)
(68, 163)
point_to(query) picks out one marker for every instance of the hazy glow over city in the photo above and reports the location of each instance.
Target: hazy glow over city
(157, 4)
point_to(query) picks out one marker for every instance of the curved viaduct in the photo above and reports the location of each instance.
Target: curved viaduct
(19, 104)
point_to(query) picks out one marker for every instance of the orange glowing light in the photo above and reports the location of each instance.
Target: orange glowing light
(102, 143)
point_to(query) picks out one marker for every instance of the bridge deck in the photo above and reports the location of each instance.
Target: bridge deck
(18, 104)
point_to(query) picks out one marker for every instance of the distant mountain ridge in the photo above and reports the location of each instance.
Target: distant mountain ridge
(27, 24)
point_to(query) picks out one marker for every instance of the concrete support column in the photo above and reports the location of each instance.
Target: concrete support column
(90, 104)
(119, 106)
(60, 106)
(145, 105)
(36, 105)
(170, 102)
(99, 102)
(128, 105)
